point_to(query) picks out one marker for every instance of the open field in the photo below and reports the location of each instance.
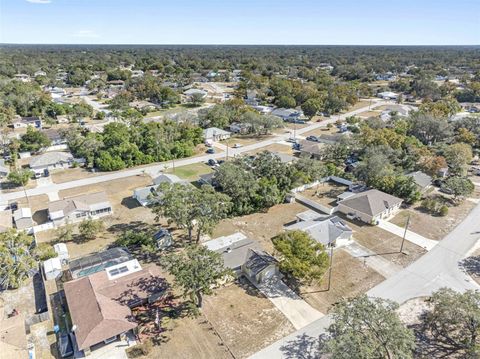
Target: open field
(276, 147)
(321, 131)
(72, 174)
(245, 320)
(360, 104)
(244, 140)
(368, 114)
(350, 277)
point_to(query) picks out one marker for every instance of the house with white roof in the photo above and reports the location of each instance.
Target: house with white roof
(53, 160)
(387, 95)
(214, 134)
(145, 195)
(23, 218)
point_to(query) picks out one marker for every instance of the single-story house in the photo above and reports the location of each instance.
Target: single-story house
(78, 208)
(13, 336)
(189, 93)
(387, 95)
(233, 249)
(285, 157)
(4, 170)
(6, 221)
(144, 194)
(54, 136)
(422, 180)
(53, 160)
(22, 77)
(214, 134)
(39, 73)
(251, 98)
(259, 266)
(327, 230)
(288, 114)
(24, 122)
(241, 128)
(311, 149)
(100, 304)
(370, 206)
(23, 218)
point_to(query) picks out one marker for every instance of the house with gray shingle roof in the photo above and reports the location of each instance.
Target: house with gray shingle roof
(326, 230)
(259, 266)
(422, 180)
(370, 206)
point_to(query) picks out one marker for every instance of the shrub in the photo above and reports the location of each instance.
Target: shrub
(45, 251)
(443, 211)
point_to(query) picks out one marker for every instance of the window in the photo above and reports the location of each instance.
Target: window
(81, 214)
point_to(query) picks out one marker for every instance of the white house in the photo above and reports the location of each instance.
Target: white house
(24, 122)
(53, 160)
(78, 208)
(23, 218)
(214, 134)
(387, 95)
(52, 268)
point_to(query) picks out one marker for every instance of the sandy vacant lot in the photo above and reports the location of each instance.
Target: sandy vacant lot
(245, 320)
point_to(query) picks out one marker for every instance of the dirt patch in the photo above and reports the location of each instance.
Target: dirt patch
(261, 226)
(245, 319)
(276, 147)
(191, 338)
(433, 227)
(368, 114)
(350, 277)
(325, 193)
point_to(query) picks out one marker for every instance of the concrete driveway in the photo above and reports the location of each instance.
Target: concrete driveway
(413, 237)
(297, 311)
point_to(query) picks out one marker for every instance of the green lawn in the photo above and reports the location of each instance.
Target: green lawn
(191, 172)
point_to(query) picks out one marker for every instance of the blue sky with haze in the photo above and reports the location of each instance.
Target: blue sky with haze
(386, 22)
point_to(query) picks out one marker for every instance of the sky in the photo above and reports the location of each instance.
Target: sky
(293, 22)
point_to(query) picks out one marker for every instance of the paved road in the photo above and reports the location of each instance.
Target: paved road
(437, 268)
(157, 168)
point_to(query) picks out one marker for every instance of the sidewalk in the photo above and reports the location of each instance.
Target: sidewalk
(413, 237)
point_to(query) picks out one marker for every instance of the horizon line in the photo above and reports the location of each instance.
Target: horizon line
(213, 44)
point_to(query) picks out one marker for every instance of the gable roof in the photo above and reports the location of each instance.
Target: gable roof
(168, 178)
(257, 261)
(214, 131)
(313, 148)
(371, 202)
(99, 306)
(84, 202)
(421, 179)
(233, 248)
(51, 158)
(323, 230)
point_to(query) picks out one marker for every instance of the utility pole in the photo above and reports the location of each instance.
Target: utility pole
(330, 268)
(405, 233)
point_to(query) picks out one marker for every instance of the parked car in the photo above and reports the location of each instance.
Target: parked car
(13, 206)
(237, 145)
(211, 151)
(212, 162)
(46, 172)
(292, 140)
(37, 175)
(312, 138)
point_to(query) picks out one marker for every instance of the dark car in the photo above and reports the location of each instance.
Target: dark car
(65, 345)
(46, 172)
(14, 206)
(211, 151)
(212, 162)
(312, 138)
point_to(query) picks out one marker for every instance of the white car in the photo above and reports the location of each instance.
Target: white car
(237, 145)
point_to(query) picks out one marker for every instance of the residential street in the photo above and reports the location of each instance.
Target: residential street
(159, 167)
(436, 269)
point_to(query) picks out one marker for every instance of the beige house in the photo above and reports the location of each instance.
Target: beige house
(370, 206)
(78, 208)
